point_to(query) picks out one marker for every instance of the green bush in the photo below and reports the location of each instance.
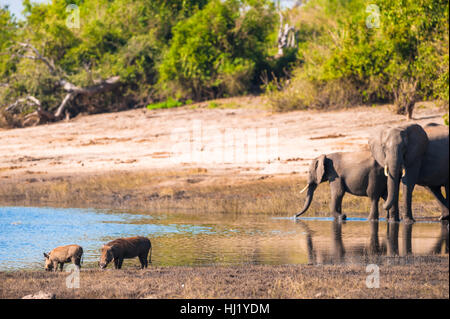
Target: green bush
(337, 50)
(220, 50)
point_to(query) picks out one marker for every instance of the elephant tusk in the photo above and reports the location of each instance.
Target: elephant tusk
(304, 189)
(403, 172)
(386, 172)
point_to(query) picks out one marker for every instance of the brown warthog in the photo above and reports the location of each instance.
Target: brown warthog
(61, 255)
(121, 248)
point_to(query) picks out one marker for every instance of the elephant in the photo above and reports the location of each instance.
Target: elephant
(413, 155)
(434, 170)
(354, 172)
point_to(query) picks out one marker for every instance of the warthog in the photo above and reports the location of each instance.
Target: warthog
(121, 248)
(61, 255)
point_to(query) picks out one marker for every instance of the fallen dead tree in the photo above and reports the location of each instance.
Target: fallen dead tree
(40, 116)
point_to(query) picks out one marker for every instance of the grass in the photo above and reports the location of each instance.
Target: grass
(190, 190)
(213, 105)
(248, 281)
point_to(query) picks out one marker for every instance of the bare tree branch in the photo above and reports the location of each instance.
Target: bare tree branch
(20, 101)
(50, 64)
(63, 104)
(72, 90)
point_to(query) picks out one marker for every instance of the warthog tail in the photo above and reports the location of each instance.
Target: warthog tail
(150, 256)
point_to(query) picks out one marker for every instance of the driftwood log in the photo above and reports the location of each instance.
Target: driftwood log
(28, 51)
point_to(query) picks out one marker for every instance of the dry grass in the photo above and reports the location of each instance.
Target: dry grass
(189, 190)
(248, 281)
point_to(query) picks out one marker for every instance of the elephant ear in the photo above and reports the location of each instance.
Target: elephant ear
(375, 144)
(417, 143)
(320, 168)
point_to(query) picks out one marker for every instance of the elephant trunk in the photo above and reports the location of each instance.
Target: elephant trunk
(309, 197)
(393, 184)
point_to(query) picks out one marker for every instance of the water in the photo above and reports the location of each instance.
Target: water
(208, 239)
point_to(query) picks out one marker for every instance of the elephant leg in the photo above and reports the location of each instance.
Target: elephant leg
(374, 214)
(409, 182)
(407, 191)
(392, 214)
(337, 194)
(436, 191)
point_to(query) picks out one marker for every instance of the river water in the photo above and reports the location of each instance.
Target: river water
(209, 239)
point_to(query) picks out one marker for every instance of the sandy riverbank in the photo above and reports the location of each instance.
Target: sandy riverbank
(186, 137)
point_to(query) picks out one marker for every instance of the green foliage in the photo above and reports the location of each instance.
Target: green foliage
(200, 49)
(220, 50)
(337, 49)
(169, 103)
(213, 105)
(115, 38)
(8, 34)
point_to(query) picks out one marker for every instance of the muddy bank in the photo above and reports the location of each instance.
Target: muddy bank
(400, 280)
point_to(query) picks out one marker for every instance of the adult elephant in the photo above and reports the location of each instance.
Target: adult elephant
(408, 152)
(356, 173)
(434, 170)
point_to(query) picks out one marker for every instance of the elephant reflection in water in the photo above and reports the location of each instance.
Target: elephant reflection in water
(441, 245)
(374, 251)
